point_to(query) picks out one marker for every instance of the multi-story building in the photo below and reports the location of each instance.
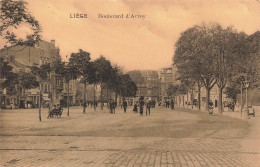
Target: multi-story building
(167, 77)
(21, 58)
(72, 92)
(147, 82)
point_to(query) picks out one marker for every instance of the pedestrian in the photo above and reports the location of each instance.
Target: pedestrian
(111, 108)
(125, 105)
(114, 106)
(148, 107)
(172, 104)
(135, 107)
(141, 102)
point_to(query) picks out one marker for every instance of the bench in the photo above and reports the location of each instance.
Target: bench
(55, 112)
(251, 111)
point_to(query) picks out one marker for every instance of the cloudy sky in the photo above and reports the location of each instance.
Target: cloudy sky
(136, 43)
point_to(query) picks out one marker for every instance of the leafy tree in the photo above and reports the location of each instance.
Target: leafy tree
(43, 73)
(81, 67)
(224, 47)
(8, 79)
(103, 70)
(173, 90)
(127, 86)
(194, 51)
(67, 72)
(246, 67)
(130, 86)
(13, 14)
(27, 80)
(93, 79)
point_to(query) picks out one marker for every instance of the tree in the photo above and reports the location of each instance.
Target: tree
(67, 72)
(194, 52)
(224, 47)
(8, 79)
(81, 67)
(26, 80)
(246, 66)
(43, 73)
(172, 90)
(103, 68)
(93, 79)
(127, 86)
(13, 14)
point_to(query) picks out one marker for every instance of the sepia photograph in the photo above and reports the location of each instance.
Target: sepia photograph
(130, 83)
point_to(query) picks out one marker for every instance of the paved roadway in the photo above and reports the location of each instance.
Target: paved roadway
(166, 138)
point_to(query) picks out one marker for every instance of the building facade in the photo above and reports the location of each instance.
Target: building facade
(147, 82)
(21, 58)
(167, 77)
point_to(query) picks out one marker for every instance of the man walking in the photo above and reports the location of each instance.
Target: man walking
(141, 103)
(111, 107)
(172, 104)
(148, 106)
(124, 105)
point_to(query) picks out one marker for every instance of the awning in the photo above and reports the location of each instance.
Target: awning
(46, 99)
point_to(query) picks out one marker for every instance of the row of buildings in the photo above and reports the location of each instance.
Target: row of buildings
(151, 84)
(53, 90)
(21, 58)
(154, 85)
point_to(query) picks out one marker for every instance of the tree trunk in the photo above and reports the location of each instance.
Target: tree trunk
(191, 98)
(107, 99)
(179, 97)
(116, 100)
(207, 98)
(40, 103)
(220, 101)
(68, 98)
(241, 99)
(183, 101)
(1, 101)
(101, 97)
(84, 106)
(94, 97)
(199, 92)
(187, 101)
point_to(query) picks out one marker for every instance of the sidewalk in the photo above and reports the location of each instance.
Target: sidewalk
(233, 114)
(168, 137)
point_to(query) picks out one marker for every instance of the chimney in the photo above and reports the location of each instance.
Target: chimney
(53, 42)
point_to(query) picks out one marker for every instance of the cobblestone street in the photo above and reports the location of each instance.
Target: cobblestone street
(166, 138)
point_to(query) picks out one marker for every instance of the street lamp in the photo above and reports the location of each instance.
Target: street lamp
(246, 85)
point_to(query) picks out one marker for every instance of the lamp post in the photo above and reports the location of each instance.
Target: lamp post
(246, 84)
(66, 67)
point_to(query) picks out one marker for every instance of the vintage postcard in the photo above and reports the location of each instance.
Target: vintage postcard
(131, 83)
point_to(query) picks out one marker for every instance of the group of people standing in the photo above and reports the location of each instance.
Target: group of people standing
(141, 103)
(113, 104)
(169, 104)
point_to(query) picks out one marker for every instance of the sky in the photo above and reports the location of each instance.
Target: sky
(136, 43)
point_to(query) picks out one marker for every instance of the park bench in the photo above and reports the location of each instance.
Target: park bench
(251, 111)
(55, 112)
